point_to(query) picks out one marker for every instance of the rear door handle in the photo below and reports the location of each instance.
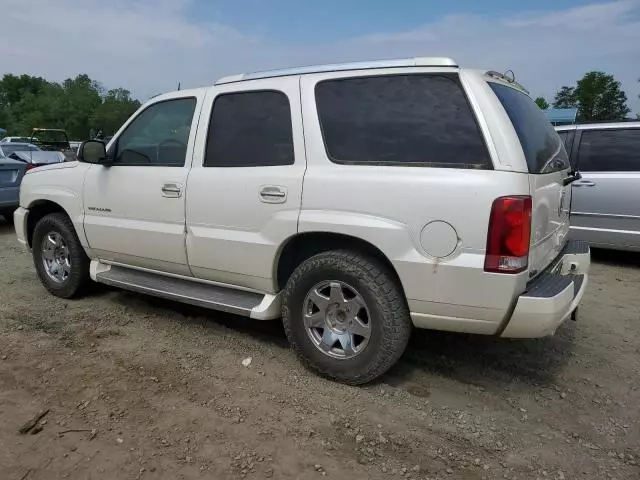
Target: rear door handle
(584, 183)
(273, 194)
(171, 190)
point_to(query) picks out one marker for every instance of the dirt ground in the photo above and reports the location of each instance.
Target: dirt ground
(144, 389)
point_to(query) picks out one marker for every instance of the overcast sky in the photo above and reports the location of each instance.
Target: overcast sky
(148, 46)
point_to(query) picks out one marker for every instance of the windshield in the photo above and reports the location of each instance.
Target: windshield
(543, 149)
(8, 148)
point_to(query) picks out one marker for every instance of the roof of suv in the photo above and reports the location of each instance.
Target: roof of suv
(338, 67)
(598, 126)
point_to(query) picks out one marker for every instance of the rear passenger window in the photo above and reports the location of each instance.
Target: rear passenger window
(250, 129)
(609, 150)
(400, 120)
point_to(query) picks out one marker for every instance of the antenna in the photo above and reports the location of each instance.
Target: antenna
(511, 78)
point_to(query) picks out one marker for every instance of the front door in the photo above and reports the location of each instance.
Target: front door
(245, 187)
(605, 210)
(135, 209)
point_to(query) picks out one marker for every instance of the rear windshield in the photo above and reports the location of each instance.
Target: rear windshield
(543, 149)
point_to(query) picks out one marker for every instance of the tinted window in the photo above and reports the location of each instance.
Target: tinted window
(250, 129)
(542, 147)
(400, 119)
(566, 137)
(609, 150)
(158, 136)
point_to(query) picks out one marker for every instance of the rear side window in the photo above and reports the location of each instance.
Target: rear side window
(544, 151)
(400, 120)
(609, 151)
(250, 129)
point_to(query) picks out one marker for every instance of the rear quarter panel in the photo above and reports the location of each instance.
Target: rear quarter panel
(390, 206)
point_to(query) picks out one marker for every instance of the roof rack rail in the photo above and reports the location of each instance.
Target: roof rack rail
(338, 67)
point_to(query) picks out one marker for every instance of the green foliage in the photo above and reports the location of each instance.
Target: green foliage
(601, 98)
(116, 107)
(542, 103)
(565, 98)
(598, 97)
(78, 105)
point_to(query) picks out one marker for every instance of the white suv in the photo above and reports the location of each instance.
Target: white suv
(354, 201)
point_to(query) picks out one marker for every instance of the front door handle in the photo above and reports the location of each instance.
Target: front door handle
(171, 190)
(584, 183)
(273, 194)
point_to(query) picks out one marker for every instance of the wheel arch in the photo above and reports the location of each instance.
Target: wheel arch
(303, 246)
(38, 209)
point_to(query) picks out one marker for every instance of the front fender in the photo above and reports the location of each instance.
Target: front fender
(61, 186)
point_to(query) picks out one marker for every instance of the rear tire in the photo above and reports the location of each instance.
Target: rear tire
(60, 260)
(345, 316)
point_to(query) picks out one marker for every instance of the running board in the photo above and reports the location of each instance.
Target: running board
(250, 304)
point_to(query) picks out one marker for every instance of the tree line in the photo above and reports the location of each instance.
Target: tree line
(83, 107)
(80, 105)
(598, 96)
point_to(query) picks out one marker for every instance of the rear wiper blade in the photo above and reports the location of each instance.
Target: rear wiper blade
(573, 176)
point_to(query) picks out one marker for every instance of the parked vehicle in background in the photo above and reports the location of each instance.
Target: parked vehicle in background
(38, 158)
(605, 210)
(30, 154)
(50, 138)
(53, 139)
(9, 148)
(11, 173)
(434, 197)
(15, 140)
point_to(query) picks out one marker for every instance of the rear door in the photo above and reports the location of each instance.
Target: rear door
(548, 165)
(606, 201)
(245, 188)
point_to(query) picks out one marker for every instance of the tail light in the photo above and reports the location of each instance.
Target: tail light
(30, 166)
(509, 235)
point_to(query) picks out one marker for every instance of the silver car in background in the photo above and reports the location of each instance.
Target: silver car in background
(605, 206)
(30, 154)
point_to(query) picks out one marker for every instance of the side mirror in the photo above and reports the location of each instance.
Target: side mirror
(93, 151)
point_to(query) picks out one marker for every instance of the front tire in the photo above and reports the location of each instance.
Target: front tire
(60, 260)
(345, 316)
